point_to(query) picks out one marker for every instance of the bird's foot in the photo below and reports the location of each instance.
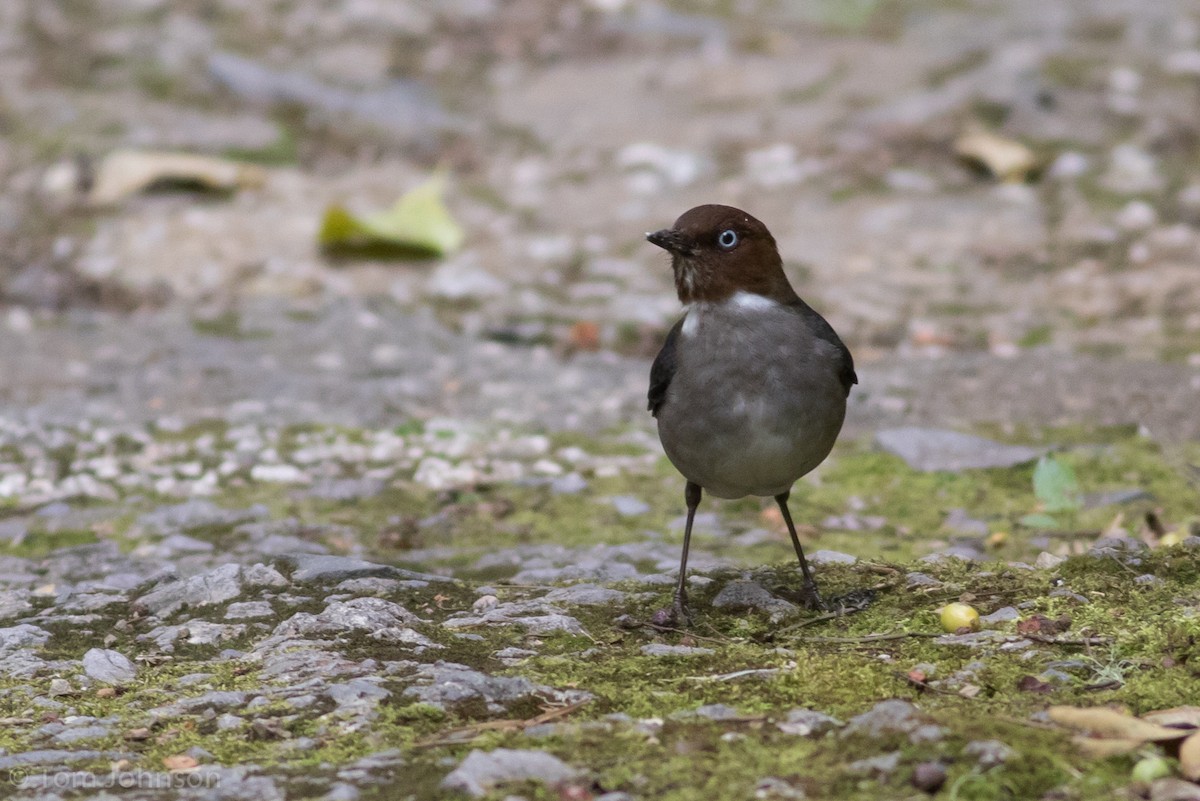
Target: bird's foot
(678, 616)
(810, 598)
(853, 601)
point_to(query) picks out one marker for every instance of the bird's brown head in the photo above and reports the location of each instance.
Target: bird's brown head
(719, 250)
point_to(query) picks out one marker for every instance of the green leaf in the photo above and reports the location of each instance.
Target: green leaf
(1055, 485)
(418, 224)
(1038, 520)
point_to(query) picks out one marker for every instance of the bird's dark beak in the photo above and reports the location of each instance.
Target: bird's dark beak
(671, 241)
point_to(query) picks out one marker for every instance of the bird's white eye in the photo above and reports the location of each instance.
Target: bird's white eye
(728, 239)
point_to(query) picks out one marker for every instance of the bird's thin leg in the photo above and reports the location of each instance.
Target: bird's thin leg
(808, 592)
(691, 496)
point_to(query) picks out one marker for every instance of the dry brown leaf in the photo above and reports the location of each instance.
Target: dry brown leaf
(180, 762)
(1189, 758)
(1178, 716)
(1113, 725)
(126, 172)
(1099, 749)
(1006, 159)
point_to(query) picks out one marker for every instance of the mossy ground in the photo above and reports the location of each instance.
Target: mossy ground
(1144, 651)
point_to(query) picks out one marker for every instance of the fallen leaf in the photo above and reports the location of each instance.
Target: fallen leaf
(1189, 758)
(1040, 624)
(1110, 724)
(1100, 748)
(1032, 684)
(126, 172)
(585, 335)
(1055, 485)
(1176, 717)
(1005, 159)
(180, 762)
(417, 225)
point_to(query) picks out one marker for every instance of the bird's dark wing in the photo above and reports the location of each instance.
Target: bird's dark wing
(821, 328)
(663, 370)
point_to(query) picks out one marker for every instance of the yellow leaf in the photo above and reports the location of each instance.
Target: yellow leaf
(1179, 716)
(1113, 725)
(418, 224)
(1189, 758)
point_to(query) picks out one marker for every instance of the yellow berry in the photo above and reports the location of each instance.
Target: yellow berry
(958, 615)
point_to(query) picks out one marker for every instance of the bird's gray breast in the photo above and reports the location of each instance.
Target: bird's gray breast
(755, 402)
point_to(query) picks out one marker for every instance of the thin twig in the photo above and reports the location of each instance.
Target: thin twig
(1081, 641)
(691, 634)
(476, 730)
(737, 674)
(870, 638)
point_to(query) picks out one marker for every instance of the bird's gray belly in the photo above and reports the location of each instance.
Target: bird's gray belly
(737, 429)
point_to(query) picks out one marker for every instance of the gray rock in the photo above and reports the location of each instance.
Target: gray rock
(1048, 561)
(345, 489)
(743, 595)
(356, 694)
(341, 791)
(973, 639)
(378, 619)
(79, 734)
(374, 585)
(198, 513)
(963, 552)
(535, 617)
(662, 649)
(773, 787)
(14, 603)
(482, 771)
(23, 635)
(585, 595)
(959, 520)
(206, 589)
(1005, 614)
(212, 701)
(989, 753)
(193, 632)
(182, 543)
(570, 484)
(879, 767)
(60, 687)
(1172, 789)
(248, 609)
(108, 666)
(629, 506)
(52, 756)
(714, 712)
(260, 575)
(929, 449)
(827, 557)
(892, 717)
(296, 666)
(451, 685)
(324, 569)
(1122, 549)
(917, 579)
(805, 722)
(404, 109)
(1096, 500)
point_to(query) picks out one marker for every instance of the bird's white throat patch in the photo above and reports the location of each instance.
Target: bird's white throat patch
(741, 302)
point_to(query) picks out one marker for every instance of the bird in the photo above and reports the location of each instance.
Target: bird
(750, 387)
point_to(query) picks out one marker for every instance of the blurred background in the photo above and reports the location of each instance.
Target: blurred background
(997, 189)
